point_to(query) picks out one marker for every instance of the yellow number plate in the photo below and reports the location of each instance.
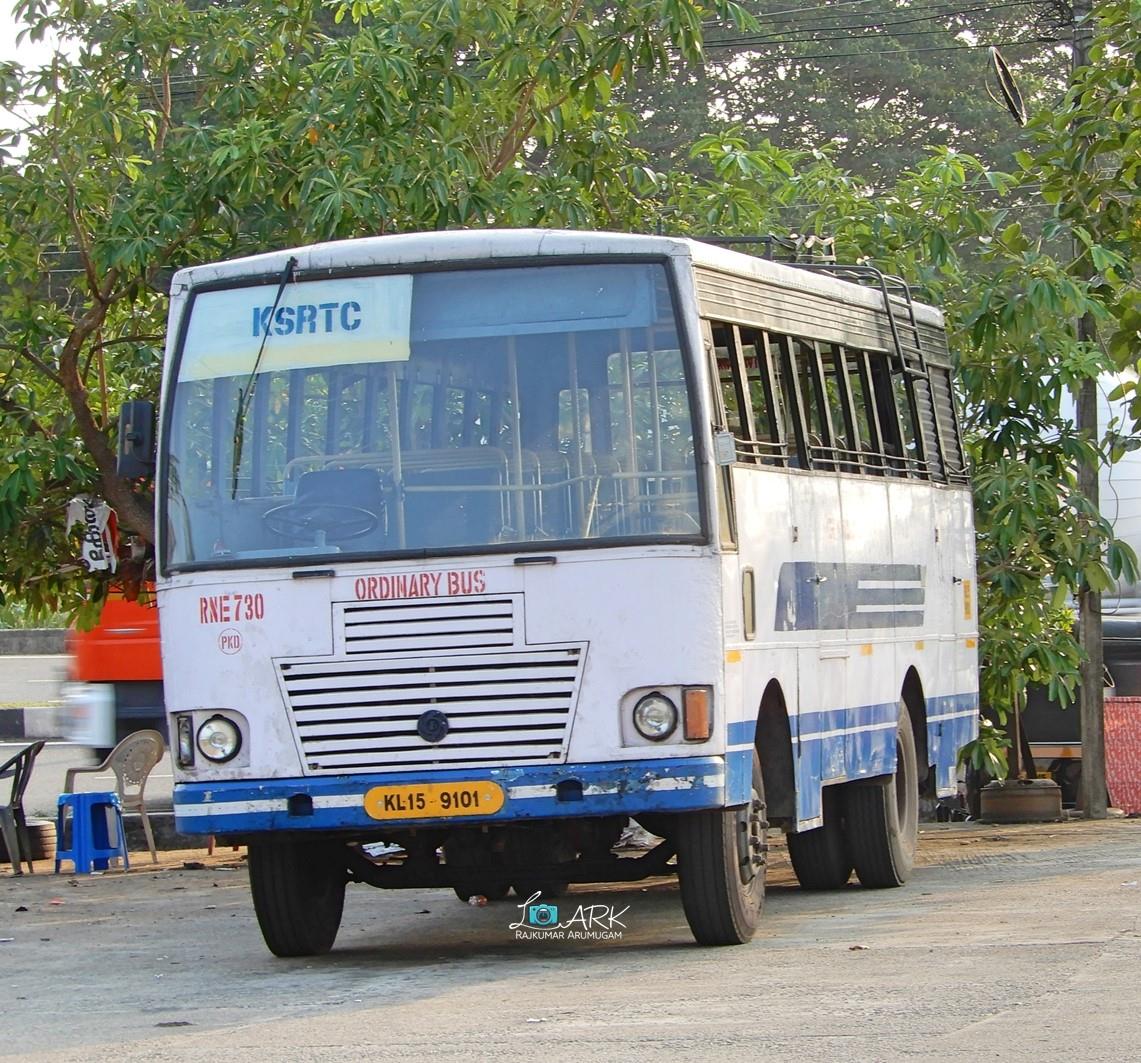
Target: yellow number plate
(434, 800)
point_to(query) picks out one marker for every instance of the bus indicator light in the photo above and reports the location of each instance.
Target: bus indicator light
(697, 714)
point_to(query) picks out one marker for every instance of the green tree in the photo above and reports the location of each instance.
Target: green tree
(170, 133)
(181, 135)
(876, 83)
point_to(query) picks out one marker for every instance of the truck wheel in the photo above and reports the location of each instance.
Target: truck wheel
(721, 865)
(819, 857)
(299, 894)
(882, 817)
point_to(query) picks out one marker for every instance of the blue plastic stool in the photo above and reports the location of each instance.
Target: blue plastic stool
(91, 845)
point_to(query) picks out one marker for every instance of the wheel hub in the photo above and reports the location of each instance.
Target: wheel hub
(752, 844)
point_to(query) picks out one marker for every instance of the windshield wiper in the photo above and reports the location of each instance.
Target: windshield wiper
(246, 394)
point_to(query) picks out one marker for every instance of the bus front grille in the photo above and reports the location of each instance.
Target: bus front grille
(434, 626)
(511, 707)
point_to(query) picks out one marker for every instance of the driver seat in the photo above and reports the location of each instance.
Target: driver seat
(359, 488)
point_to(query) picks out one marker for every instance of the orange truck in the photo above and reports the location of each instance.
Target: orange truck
(115, 676)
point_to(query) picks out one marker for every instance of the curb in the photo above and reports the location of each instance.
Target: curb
(33, 641)
(30, 724)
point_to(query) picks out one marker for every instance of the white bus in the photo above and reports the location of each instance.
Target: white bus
(476, 545)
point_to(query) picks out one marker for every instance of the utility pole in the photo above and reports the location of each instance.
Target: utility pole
(1092, 688)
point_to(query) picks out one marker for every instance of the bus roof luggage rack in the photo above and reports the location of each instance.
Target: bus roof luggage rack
(898, 304)
(793, 249)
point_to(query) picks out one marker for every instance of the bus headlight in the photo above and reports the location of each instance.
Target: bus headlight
(219, 739)
(655, 717)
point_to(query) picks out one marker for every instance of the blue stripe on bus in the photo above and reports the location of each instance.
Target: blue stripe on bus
(858, 742)
(741, 733)
(833, 745)
(626, 788)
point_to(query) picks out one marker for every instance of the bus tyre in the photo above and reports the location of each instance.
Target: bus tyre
(299, 894)
(882, 817)
(820, 857)
(721, 865)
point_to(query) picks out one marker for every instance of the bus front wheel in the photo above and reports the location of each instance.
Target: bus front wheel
(299, 894)
(881, 818)
(721, 867)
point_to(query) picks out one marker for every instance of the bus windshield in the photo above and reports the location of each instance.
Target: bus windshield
(438, 411)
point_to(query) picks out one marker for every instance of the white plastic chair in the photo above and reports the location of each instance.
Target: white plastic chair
(132, 761)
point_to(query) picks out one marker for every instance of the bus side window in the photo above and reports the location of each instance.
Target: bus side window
(907, 426)
(788, 403)
(723, 353)
(888, 414)
(867, 424)
(942, 395)
(811, 390)
(764, 394)
(844, 436)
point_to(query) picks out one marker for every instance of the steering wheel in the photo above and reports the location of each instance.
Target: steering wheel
(319, 522)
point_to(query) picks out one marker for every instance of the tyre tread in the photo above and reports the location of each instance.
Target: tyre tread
(871, 841)
(288, 921)
(820, 857)
(708, 896)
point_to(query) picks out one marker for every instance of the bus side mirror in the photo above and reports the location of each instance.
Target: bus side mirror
(136, 440)
(724, 447)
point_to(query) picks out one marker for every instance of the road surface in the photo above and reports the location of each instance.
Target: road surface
(1019, 943)
(31, 680)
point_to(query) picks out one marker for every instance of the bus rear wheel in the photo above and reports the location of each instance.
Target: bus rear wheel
(721, 867)
(820, 857)
(299, 894)
(882, 817)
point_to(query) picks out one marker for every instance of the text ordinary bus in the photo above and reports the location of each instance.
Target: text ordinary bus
(477, 544)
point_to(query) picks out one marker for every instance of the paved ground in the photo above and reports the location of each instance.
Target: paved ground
(1016, 943)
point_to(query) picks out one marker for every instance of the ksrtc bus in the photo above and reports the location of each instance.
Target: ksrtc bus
(479, 544)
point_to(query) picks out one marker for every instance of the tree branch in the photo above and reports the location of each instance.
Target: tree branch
(29, 422)
(523, 121)
(41, 365)
(133, 512)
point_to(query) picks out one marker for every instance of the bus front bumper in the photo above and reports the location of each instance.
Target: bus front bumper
(338, 802)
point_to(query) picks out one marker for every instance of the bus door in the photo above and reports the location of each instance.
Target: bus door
(820, 571)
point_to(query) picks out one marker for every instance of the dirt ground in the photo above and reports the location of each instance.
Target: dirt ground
(1014, 942)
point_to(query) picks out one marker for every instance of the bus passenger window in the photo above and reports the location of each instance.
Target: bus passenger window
(865, 413)
(815, 411)
(883, 395)
(843, 436)
(782, 395)
(765, 417)
(907, 425)
(722, 350)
